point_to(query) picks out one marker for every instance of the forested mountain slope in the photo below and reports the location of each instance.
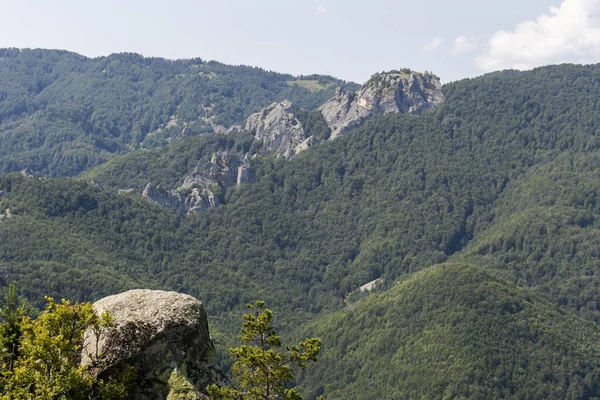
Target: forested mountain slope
(455, 332)
(498, 185)
(61, 113)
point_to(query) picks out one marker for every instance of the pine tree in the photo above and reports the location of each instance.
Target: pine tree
(264, 370)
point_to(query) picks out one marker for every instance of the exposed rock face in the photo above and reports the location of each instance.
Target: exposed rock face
(222, 168)
(393, 92)
(277, 128)
(205, 184)
(5, 215)
(367, 287)
(165, 198)
(245, 174)
(164, 336)
(27, 173)
(202, 188)
(235, 128)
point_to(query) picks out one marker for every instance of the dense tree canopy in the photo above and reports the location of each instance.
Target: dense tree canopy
(501, 179)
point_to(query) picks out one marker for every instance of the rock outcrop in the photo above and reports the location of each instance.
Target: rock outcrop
(126, 191)
(5, 215)
(27, 173)
(204, 186)
(393, 92)
(163, 336)
(165, 198)
(278, 128)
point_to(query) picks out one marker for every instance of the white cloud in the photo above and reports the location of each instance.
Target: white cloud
(570, 33)
(321, 10)
(464, 44)
(433, 44)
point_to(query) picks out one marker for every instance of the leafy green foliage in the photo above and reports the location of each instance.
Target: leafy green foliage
(388, 199)
(454, 331)
(262, 369)
(46, 365)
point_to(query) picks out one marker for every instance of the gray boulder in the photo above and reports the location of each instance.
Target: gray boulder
(393, 92)
(163, 336)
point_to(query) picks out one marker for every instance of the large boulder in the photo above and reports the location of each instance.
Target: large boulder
(163, 336)
(393, 92)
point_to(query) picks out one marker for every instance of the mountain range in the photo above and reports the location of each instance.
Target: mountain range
(441, 240)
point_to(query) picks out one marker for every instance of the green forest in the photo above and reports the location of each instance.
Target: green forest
(478, 216)
(62, 113)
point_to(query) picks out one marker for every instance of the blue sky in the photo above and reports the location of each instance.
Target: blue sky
(349, 39)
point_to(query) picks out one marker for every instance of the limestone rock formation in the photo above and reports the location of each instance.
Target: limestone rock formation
(393, 92)
(222, 168)
(5, 215)
(278, 128)
(202, 189)
(163, 336)
(162, 197)
(205, 184)
(245, 174)
(27, 173)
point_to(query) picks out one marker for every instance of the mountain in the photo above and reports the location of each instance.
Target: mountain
(447, 253)
(61, 113)
(454, 331)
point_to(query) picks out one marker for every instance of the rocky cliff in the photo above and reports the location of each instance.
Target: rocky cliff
(279, 130)
(282, 133)
(393, 92)
(204, 186)
(163, 336)
(165, 198)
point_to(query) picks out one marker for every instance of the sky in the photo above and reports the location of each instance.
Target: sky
(349, 39)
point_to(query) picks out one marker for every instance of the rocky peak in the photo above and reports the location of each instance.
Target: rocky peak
(278, 128)
(393, 92)
(163, 336)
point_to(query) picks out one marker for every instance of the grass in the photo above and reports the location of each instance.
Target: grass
(311, 85)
